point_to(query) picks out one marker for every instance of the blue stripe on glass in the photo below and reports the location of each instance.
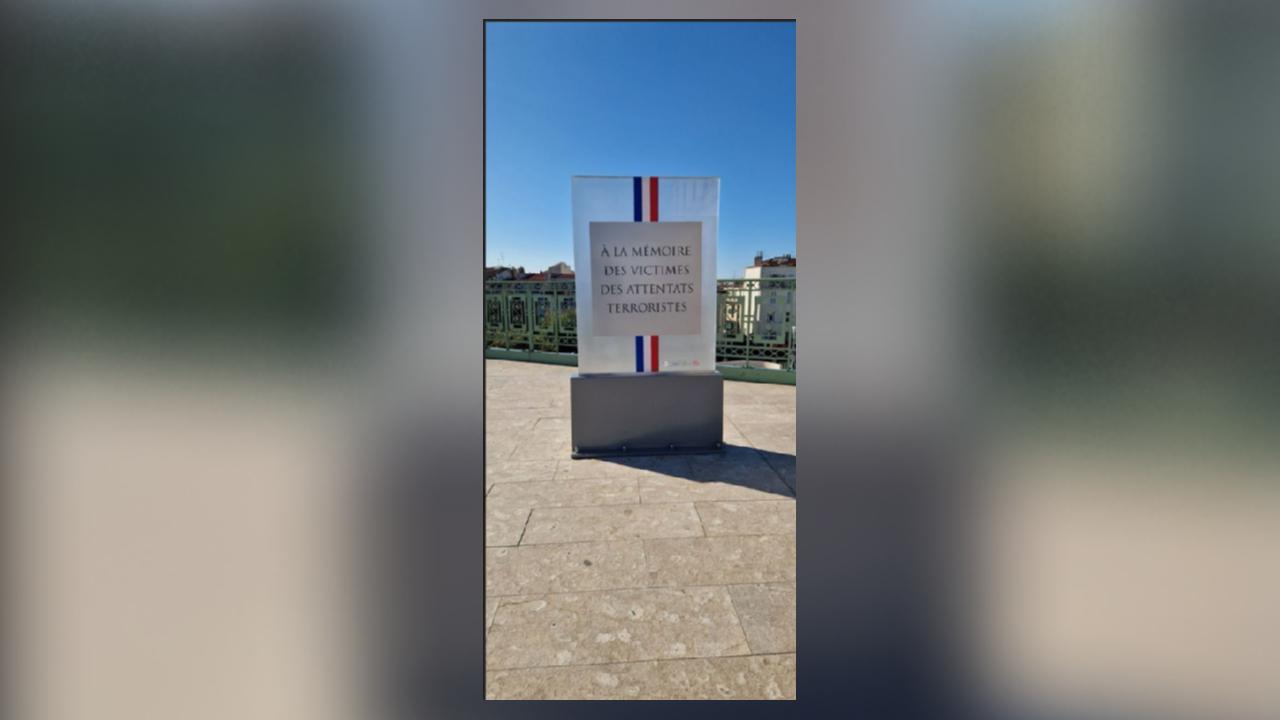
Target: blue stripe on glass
(637, 205)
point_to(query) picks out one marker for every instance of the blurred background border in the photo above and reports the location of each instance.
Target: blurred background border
(244, 357)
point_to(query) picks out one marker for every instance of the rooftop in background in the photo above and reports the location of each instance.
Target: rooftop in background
(558, 271)
(779, 261)
(502, 272)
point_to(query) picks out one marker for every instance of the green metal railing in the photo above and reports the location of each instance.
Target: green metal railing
(755, 325)
(532, 316)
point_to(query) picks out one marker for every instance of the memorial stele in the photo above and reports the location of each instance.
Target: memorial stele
(645, 253)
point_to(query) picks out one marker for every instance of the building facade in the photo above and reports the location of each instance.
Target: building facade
(773, 306)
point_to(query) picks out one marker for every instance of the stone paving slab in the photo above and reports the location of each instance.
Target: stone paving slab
(772, 435)
(556, 424)
(541, 445)
(721, 560)
(621, 578)
(754, 422)
(759, 677)
(776, 444)
(732, 435)
(503, 526)
(634, 467)
(520, 471)
(548, 434)
(738, 463)
(496, 451)
(768, 615)
(614, 626)
(490, 607)
(571, 567)
(516, 396)
(785, 467)
(507, 426)
(665, 489)
(665, 464)
(756, 517)
(656, 466)
(612, 522)
(558, 493)
(507, 422)
(570, 469)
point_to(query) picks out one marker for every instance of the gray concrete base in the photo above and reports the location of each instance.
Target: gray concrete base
(650, 414)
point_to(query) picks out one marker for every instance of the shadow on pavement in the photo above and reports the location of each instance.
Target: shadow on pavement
(739, 465)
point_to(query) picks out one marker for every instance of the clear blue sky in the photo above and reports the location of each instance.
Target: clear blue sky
(663, 98)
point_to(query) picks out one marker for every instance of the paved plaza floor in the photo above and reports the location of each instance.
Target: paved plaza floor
(661, 577)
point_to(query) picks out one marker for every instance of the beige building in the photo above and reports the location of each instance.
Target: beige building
(773, 309)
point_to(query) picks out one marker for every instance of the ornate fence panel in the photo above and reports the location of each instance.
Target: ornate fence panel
(755, 323)
(528, 315)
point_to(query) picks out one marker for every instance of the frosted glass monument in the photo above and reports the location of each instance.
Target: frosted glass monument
(645, 253)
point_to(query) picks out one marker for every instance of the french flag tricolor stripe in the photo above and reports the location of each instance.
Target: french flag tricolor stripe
(645, 209)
